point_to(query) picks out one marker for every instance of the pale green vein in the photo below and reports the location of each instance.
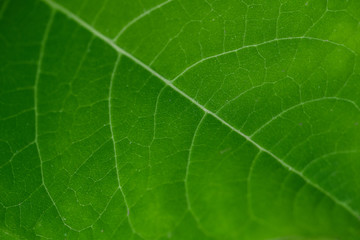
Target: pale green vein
(107, 205)
(17, 153)
(136, 19)
(89, 157)
(17, 114)
(113, 74)
(187, 197)
(169, 83)
(36, 86)
(260, 44)
(326, 156)
(300, 105)
(99, 12)
(154, 134)
(188, 167)
(242, 94)
(28, 197)
(248, 195)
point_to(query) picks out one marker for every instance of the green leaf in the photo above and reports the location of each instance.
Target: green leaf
(180, 119)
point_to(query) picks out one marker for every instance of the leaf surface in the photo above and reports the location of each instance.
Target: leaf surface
(179, 119)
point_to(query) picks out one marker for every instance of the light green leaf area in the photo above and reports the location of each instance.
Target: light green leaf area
(180, 119)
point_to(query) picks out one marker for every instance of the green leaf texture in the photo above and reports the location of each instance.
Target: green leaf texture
(180, 119)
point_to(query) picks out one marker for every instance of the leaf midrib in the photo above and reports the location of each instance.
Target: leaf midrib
(55, 6)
